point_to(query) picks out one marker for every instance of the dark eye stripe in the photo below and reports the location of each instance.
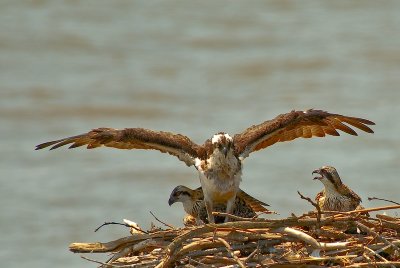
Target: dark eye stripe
(328, 176)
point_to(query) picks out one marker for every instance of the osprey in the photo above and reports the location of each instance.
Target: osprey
(336, 196)
(219, 160)
(245, 205)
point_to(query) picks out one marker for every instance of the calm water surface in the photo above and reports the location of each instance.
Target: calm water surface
(188, 67)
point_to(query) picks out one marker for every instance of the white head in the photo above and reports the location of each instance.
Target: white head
(223, 143)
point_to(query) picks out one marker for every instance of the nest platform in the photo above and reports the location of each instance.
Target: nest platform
(315, 239)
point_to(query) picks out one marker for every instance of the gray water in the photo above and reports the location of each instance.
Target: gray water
(188, 67)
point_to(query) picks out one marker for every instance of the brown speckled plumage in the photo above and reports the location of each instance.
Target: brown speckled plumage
(336, 196)
(245, 205)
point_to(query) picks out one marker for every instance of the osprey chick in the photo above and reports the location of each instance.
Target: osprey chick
(244, 206)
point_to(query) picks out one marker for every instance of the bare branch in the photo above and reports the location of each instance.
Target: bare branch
(229, 249)
(314, 204)
(376, 198)
(166, 224)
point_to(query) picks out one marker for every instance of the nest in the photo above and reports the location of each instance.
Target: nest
(315, 239)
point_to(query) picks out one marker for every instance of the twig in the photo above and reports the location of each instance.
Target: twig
(234, 217)
(109, 223)
(123, 224)
(178, 241)
(166, 224)
(371, 252)
(314, 204)
(382, 199)
(251, 255)
(99, 247)
(311, 240)
(375, 264)
(373, 233)
(91, 260)
(205, 252)
(195, 261)
(369, 210)
(229, 249)
(387, 218)
(105, 264)
(131, 249)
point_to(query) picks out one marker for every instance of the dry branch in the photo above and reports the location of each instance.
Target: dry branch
(305, 241)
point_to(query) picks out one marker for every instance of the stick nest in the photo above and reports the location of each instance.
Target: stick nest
(315, 239)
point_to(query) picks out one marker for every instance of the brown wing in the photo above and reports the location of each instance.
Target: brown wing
(198, 194)
(132, 138)
(253, 203)
(296, 124)
(356, 199)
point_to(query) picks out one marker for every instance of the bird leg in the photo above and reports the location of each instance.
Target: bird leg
(229, 207)
(210, 208)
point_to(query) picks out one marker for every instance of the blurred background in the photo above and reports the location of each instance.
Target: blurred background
(188, 67)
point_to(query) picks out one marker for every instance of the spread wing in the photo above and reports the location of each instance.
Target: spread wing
(296, 124)
(132, 138)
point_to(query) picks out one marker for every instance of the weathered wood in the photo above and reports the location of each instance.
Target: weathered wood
(292, 242)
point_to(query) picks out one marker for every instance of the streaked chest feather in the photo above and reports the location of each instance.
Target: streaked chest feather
(337, 202)
(221, 189)
(193, 208)
(221, 167)
(219, 175)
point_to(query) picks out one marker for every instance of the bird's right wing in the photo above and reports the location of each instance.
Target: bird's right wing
(132, 138)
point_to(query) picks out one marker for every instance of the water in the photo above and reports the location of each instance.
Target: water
(188, 67)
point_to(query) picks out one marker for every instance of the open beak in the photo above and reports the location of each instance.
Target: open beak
(317, 171)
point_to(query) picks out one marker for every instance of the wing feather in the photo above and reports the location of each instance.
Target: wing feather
(358, 124)
(253, 203)
(317, 131)
(132, 138)
(336, 123)
(296, 124)
(307, 132)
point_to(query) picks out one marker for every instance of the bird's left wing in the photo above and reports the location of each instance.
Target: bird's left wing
(350, 193)
(296, 124)
(252, 202)
(132, 138)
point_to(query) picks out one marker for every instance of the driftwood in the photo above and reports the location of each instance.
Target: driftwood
(315, 239)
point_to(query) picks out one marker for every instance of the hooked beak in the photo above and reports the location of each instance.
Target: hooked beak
(171, 200)
(317, 171)
(225, 151)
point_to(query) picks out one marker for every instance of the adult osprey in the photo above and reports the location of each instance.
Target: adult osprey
(219, 159)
